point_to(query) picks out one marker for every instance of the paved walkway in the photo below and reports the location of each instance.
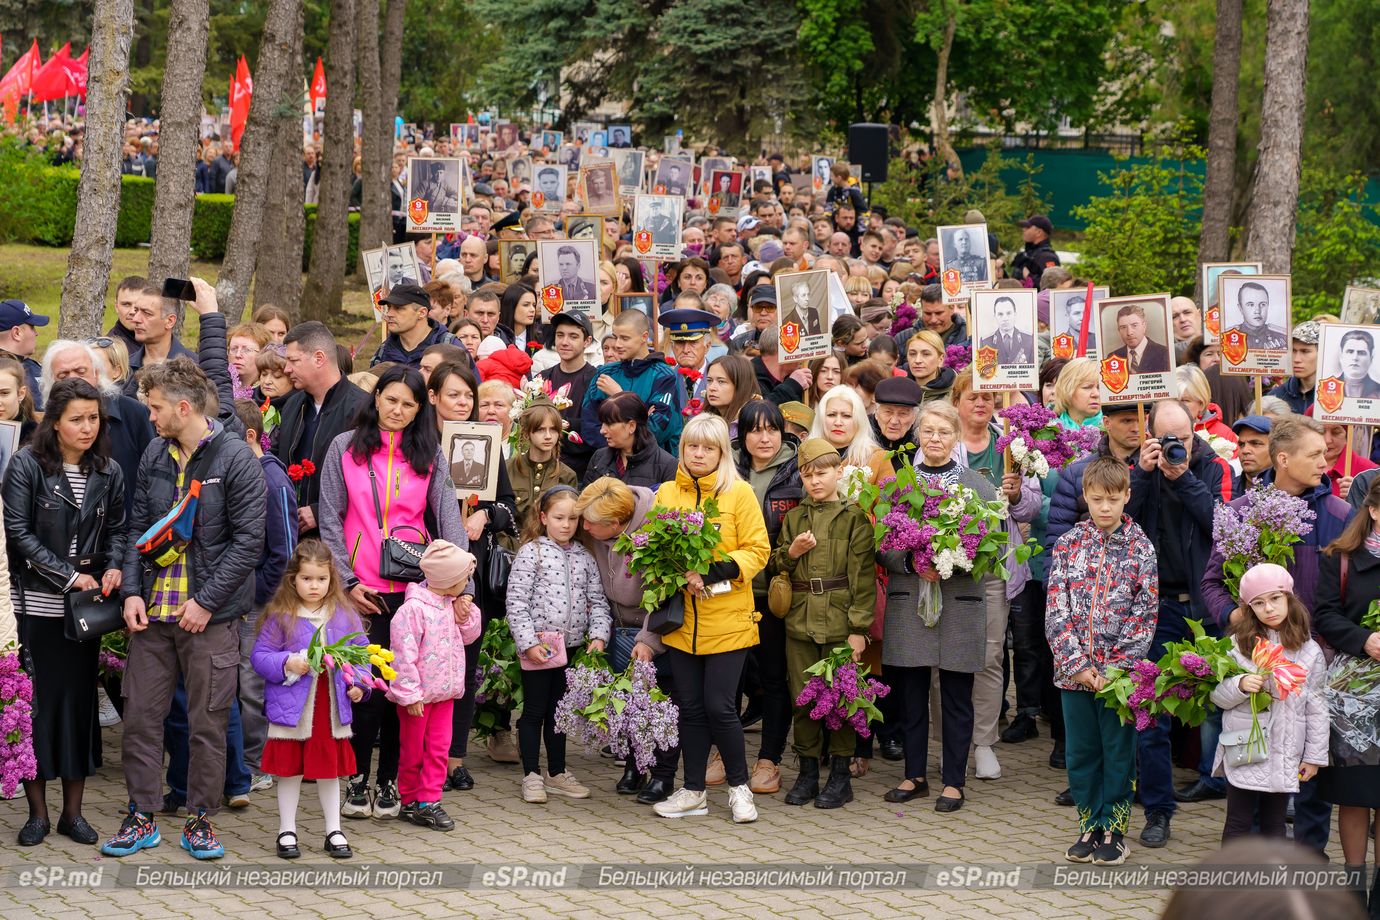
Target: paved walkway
(1012, 820)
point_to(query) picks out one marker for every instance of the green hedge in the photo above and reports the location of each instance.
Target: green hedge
(135, 223)
(211, 226)
(352, 250)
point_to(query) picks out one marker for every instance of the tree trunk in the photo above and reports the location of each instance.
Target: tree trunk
(179, 114)
(1214, 243)
(940, 111)
(326, 273)
(98, 191)
(1275, 194)
(374, 221)
(275, 98)
(278, 274)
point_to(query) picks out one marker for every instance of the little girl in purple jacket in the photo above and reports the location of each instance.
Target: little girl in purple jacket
(309, 719)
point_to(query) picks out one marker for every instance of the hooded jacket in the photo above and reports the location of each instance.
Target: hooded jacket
(649, 467)
(393, 350)
(509, 365)
(555, 588)
(429, 652)
(659, 386)
(280, 529)
(939, 387)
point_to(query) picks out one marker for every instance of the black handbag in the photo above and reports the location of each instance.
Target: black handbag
(497, 568)
(399, 560)
(91, 614)
(669, 617)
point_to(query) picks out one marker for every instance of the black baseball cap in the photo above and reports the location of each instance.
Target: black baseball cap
(1118, 408)
(763, 293)
(403, 295)
(1038, 220)
(573, 319)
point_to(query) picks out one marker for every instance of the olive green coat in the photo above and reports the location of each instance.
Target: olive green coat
(845, 547)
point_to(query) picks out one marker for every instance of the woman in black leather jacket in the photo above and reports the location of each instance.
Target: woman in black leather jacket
(64, 505)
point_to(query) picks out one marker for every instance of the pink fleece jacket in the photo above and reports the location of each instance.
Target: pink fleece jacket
(429, 654)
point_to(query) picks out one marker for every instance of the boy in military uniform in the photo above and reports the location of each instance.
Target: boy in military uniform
(827, 549)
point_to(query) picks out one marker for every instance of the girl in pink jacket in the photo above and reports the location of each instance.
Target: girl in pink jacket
(429, 633)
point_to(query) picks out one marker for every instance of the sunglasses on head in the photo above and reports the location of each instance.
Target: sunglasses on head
(103, 341)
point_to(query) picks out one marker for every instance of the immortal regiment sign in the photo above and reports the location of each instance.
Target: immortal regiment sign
(387, 267)
(1255, 315)
(549, 194)
(1212, 314)
(512, 257)
(1360, 306)
(656, 226)
(1139, 366)
(567, 275)
(803, 315)
(1348, 375)
(1068, 312)
(964, 261)
(599, 189)
(1004, 330)
(819, 172)
(629, 166)
(434, 202)
(725, 191)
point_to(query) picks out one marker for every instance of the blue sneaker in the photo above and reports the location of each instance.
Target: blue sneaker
(199, 839)
(138, 832)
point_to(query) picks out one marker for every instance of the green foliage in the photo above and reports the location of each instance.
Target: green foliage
(1337, 241)
(38, 201)
(500, 681)
(443, 88)
(135, 222)
(672, 542)
(352, 250)
(1142, 236)
(865, 60)
(211, 226)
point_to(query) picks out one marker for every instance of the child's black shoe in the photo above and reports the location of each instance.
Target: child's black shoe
(431, 815)
(1084, 847)
(1112, 851)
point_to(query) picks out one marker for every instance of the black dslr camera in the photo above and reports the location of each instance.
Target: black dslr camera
(1174, 450)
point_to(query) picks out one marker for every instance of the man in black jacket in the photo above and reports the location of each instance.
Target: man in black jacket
(324, 405)
(182, 603)
(1037, 254)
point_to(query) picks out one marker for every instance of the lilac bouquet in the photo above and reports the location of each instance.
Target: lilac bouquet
(670, 543)
(17, 762)
(1039, 443)
(114, 650)
(840, 691)
(1180, 684)
(957, 357)
(626, 712)
(1263, 529)
(500, 679)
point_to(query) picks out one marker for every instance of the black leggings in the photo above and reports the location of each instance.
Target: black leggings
(541, 691)
(708, 698)
(1243, 805)
(769, 656)
(375, 717)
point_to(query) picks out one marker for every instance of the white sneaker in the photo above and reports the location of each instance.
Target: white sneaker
(683, 804)
(533, 789)
(987, 765)
(565, 784)
(261, 783)
(109, 716)
(740, 799)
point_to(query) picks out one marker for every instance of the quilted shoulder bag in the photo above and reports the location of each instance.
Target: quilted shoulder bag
(399, 560)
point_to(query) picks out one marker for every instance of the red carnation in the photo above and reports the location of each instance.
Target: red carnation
(671, 360)
(690, 374)
(295, 472)
(692, 408)
(308, 468)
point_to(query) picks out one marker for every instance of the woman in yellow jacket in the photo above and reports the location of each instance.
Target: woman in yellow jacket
(707, 652)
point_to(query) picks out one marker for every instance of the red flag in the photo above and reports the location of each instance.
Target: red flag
(241, 91)
(318, 85)
(50, 82)
(20, 77)
(1087, 318)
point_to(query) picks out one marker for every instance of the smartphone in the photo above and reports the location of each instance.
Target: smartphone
(717, 588)
(178, 289)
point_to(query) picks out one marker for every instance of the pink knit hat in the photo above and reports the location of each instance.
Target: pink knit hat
(445, 565)
(1262, 579)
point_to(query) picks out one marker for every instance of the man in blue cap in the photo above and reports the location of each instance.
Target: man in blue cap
(690, 330)
(19, 340)
(1253, 450)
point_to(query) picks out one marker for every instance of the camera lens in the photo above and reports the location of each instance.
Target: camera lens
(1175, 452)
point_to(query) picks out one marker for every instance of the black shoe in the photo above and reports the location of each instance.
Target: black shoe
(33, 832)
(1084, 847)
(460, 779)
(78, 830)
(947, 803)
(806, 782)
(891, 750)
(658, 790)
(1198, 791)
(1022, 728)
(898, 795)
(1064, 798)
(1156, 831)
(631, 781)
(339, 850)
(432, 815)
(288, 850)
(1056, 756)
(172, 806)
(838, 791)
(408, 810)
(752, 715)
(1112, 851)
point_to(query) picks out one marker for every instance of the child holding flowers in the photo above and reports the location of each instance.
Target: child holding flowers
(309, 719)
(429, 645)
(1271, 642)
(536, 462)
(555, 603)
(1103, 604)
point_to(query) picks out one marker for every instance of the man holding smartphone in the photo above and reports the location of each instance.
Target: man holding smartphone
(154, 321)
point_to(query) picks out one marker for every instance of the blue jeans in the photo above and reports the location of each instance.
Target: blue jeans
(237, 777)
(1208, 734)
(1156, 769)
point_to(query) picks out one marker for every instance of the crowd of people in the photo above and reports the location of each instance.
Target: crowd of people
(240, 496)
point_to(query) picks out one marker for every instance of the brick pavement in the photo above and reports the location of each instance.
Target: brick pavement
(1011, 820)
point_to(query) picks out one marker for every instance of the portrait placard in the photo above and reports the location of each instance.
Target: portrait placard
(1348, 390)
(1004, 328)
(388, 266)
(568, 276)
(759, 174)
(549, 187)
(464, 135)
(9, 442)
(1212, 316)
(819, 172)
(628, 164)
(620, 135)
(1360, 306)
(593, 153)
(1066, 312)
(673, 176)
(707, 166)
(803, 315)
(583, 226)
(1137, 363)
(507, 135)
(726, 191)
(671, 144)
(434, 199)
(583, 129)
(1255, 313)
(568, 155)
(964, 261)
(475, 453)
(552, 140)
(656, 230)
(599, 188)
(512, 256)
(641, 302)
(520, 171)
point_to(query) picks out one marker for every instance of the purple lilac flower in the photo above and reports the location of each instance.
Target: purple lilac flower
(1195, 664)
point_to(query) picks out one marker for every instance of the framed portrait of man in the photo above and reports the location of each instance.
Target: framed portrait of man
(1004, 330)
(707, 167)
(465, 135)
(475, 452)
(620, 135)
(507, 135)
(512, 258)
(599, 188)
(1067, 309)
(628, 163)
(1255, 315)
(388, 266)
(642, 302)
(965, 263)
(725, 191)
(656, 226)
(568, 156)
(1360, 306)
(671, 144)
(803, 315)
(520, 171)
(758, 174)
(583, 226)
(568, 276)
(1348, 391)
(434, 199)
(819, 172)
(552, 140)
(549, 187)
(1212, 272)
(593, 153)
(673, 176)
(599, 138)
(1137, 362)
(583, 130)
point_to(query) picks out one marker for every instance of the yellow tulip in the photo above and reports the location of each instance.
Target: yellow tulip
(375, 660)
(386, 654)
(388, 673)
(373, 649)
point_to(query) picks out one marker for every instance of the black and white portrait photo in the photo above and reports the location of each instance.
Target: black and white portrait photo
(1360, 306)
(673, 176)
(520, 172)
(474, 452)
(629, 165)
(568, 156)
(1067, 309)
(548, 187)
(964, 247)
(599, 189)
(819, 172)
(1256, 312)
(385, 268)
(583, 226)
(570, 267)
(1348, 390)
(512, 258)
(1137, 360)
(620, 135)
(803, 314)
(433, 194)
(656, 226)
(1004, 326)
(1213, 272)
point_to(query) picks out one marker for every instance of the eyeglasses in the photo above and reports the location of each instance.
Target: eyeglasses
(934, 434)
(244, 350)
(103, 341)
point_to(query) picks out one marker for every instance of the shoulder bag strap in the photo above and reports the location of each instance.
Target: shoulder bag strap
(378, 509)
(1346, 564)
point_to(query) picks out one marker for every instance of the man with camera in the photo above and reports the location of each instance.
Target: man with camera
(1176, 484)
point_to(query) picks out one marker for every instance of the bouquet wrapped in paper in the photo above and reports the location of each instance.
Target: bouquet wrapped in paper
(1352, 695)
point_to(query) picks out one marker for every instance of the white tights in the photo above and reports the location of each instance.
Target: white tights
(290, 790)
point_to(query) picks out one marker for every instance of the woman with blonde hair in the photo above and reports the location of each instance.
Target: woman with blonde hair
(1077, 394)
(841, 419)
(1196, 393)
(925, 361)
(858, 289)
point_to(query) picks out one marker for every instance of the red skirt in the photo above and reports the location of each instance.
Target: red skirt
(320, 756)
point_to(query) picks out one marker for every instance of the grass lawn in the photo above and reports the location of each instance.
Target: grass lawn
(34, 275)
